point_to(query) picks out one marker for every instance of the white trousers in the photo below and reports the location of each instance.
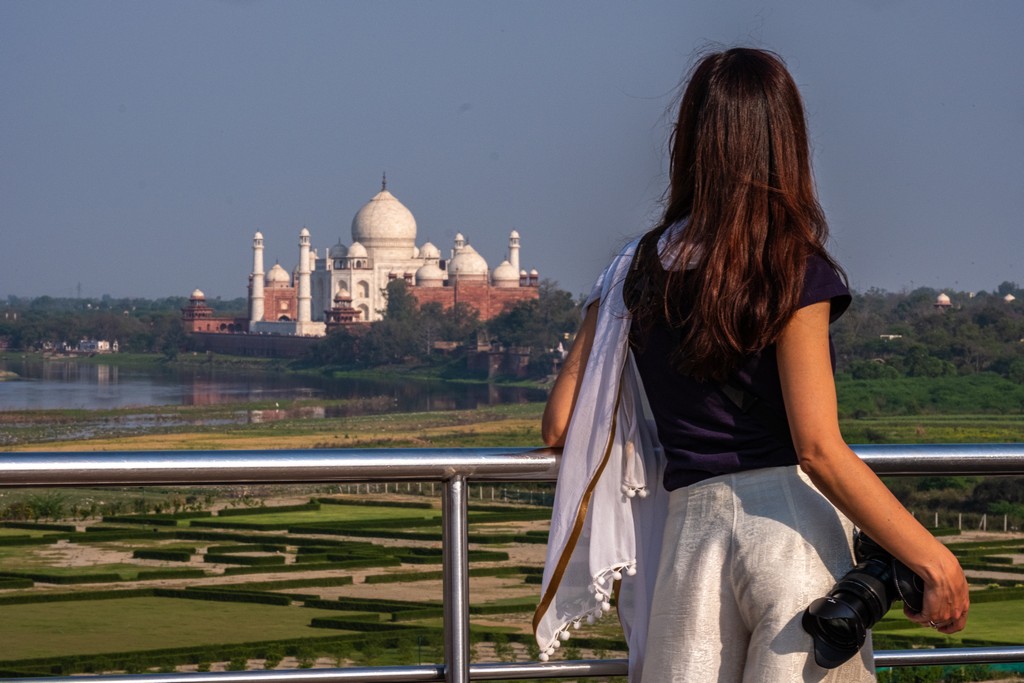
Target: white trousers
(742, 557)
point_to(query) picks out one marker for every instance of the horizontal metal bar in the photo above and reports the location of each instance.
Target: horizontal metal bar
(434, 464)
(281, 467)
(944, 656)
(518, 670)
(966, 458)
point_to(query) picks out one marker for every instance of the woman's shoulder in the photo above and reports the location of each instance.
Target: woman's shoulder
(822, 282)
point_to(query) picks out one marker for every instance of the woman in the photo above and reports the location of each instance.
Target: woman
(729, 301)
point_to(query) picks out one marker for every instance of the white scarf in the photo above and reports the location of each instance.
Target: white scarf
(607, 524)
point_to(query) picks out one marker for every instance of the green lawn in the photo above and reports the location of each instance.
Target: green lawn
(136, 624)
(999, 622)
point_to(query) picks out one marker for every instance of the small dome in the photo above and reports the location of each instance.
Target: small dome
(304, 232)
(942, 300)
(505, 275)
(467, 263)
(429, 251)
(534, 273)
(258, 235)
(356, 250)
(197, 294)
(342, 295)
(278, 276)
(523, 273)
(339, 250)
(1009, 297)
(429, 275)
(514, 235)
(384, 219)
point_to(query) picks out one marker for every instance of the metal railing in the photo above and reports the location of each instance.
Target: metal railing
(453, 468)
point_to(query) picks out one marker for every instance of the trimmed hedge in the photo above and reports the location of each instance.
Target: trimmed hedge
(248, 548)
(361, 625)
(148, 520)
(167, 555)
(253, 539)
(76, 596)
(370, 502)
(247, 560)
(63, 579)
(262, 510)
(12, 583)
(280, 569)
(223, 596)
(288, 583)
(30, 540)
(39, 526)
(153, 574)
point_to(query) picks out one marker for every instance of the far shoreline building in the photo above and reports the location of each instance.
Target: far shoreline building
(345, 285)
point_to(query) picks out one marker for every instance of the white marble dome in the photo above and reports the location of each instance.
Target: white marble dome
(942, 300)
(197, 294)
(278, 276)
(1009, 297)
(505, 275)
(339, 250)
(342, 295)
(429, 275)
(429, 251)
(357, 250)
(384, 221)
(467, 264)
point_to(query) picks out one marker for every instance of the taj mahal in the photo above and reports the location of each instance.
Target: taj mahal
(346, 284)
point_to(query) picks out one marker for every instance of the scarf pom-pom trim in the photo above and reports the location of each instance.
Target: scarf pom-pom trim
(601, 587)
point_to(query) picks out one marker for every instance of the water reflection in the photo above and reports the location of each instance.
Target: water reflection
(68, 384)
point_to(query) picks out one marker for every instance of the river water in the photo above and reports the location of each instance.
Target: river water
(67, 384)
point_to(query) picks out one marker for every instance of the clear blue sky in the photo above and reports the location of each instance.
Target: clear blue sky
(142, 143)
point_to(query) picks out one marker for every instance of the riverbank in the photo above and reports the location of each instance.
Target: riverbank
(297, 424)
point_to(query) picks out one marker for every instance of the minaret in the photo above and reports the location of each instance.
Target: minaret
(513, 249)
(305, 309)
(256, 298)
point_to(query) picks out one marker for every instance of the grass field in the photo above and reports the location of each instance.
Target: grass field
(329, 513)
(137, 624)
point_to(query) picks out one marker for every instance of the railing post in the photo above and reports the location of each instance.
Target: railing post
(455, 539)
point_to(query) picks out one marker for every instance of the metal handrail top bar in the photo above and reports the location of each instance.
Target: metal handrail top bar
(410, 464)
(519, 670)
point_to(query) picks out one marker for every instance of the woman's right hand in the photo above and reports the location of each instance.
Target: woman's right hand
(946, 596)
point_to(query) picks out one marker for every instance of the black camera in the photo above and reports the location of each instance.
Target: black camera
(839, 622)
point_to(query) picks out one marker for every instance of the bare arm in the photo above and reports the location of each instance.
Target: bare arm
(563, 395)
(809, 391)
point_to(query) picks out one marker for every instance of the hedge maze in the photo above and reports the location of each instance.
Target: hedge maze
(166, 562)
(349, 580)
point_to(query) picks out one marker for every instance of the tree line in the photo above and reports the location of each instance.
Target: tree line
(887, 335)
(884, 335)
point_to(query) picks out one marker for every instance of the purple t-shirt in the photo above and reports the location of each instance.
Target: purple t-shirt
(703, 431)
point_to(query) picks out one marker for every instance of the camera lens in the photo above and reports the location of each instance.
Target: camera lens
(839, 622)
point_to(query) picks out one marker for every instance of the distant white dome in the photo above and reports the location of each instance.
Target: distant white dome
(942, 300)
(514, 235)
(342, 295)
(467, 264)
(534, 273)
(258, 235)
(197, 294)
(278, 276)
(304, 232)
(429, 275)
(505, 275)
(523, 273)
(1009, 297)
(339, 250)
(384, 222)
(429, 251)
(356, 250)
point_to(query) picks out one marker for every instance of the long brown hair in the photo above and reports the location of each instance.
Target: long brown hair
(740, 179)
